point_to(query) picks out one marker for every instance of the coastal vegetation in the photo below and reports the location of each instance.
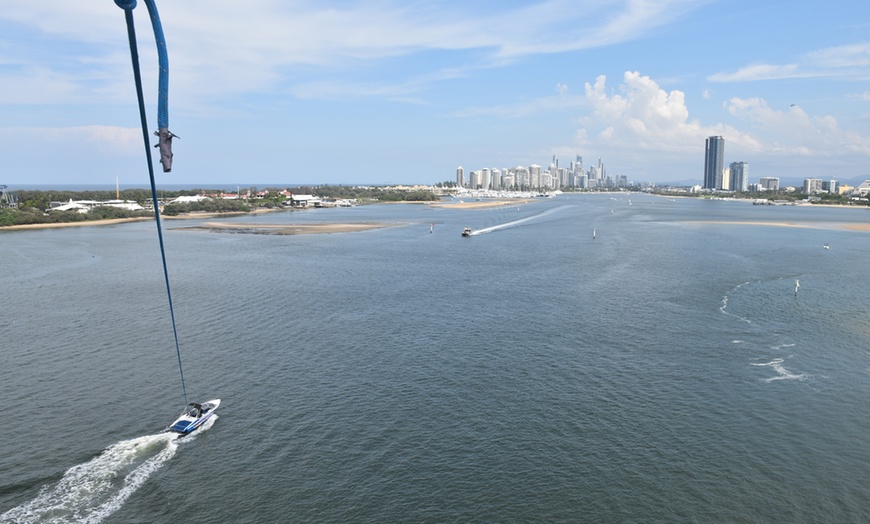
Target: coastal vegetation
(780, 196)
(42, 207)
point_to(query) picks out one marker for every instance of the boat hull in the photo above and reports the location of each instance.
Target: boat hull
(188, 422)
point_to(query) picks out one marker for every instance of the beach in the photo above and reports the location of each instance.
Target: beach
(107, 222)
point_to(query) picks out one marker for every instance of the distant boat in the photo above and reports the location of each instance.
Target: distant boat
(593, 233)
(466, 232)
(797, 285)
(826, 246)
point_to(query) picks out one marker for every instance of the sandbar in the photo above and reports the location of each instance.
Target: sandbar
(480, 205)
(852, 226)
(286, 229)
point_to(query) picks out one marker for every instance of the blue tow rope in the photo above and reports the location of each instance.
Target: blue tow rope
(163, 131)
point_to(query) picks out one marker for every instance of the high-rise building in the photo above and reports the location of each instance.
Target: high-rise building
(460, 177)
(476, 180)
(534, 177)
(713, 159)
(725, 184)
(484, 178)
(768, 183)
(739, 176)
(495, 175)
(812, 186)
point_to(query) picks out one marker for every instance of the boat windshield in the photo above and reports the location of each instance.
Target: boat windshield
(194, 410)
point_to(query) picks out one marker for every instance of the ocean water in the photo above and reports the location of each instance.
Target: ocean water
(664, 371)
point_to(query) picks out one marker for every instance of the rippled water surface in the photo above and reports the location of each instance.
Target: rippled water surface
(663, 371)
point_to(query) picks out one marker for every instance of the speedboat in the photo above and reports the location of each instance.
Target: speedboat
(466, 232)
(194, 416)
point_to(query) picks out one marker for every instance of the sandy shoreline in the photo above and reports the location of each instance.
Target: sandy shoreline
(481, 204)
(852, 226)
(286, 229)
(112, 221)
(303, 229)
(107, 222)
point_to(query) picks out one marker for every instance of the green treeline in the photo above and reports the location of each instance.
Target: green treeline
(364, 194)
(33, 207)
(790, 196)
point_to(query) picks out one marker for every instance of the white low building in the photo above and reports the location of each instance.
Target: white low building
(188, 199)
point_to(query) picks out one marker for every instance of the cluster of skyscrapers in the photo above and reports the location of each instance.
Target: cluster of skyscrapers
(736, 176)
(535, 178)
(716, 176)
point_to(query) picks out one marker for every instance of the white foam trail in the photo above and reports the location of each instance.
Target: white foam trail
(516, 222)
(782, 373)
(92, 491)
(724, 307)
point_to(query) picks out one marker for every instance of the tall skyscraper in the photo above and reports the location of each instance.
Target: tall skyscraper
(460, 177)
(739, 176)
(713, 162)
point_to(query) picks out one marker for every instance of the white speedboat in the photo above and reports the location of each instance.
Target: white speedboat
(194, 416)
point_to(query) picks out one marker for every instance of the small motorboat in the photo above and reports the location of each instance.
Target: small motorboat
(194, 416)
(466, 232)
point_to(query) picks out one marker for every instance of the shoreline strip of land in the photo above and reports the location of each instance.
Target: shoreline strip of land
(481, 204)
(851, 226)
(286, 229)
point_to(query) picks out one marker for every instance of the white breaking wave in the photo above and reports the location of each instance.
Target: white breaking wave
(516, 222)
(92, 491)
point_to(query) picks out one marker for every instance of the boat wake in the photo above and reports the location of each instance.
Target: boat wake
(724, 307)
(517, 222)
(93, 491)
(781, 372)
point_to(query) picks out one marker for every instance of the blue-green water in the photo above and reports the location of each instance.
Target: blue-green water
(664, 371)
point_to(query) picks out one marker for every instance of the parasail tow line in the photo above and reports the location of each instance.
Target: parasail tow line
(165, 136)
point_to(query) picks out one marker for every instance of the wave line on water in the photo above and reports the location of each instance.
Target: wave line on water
(513, 223)
(94, 490)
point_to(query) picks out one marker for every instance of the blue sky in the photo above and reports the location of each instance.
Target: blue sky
(388, 91)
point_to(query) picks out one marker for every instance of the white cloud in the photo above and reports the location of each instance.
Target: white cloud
(225, 47)
(844, 56)
(644, 117)
(758, 72)
(794, 132)
(849, 61)
(640, 119)
(106, 140)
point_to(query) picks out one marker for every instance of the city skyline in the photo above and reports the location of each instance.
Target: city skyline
(536, 178)
(349, 92)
